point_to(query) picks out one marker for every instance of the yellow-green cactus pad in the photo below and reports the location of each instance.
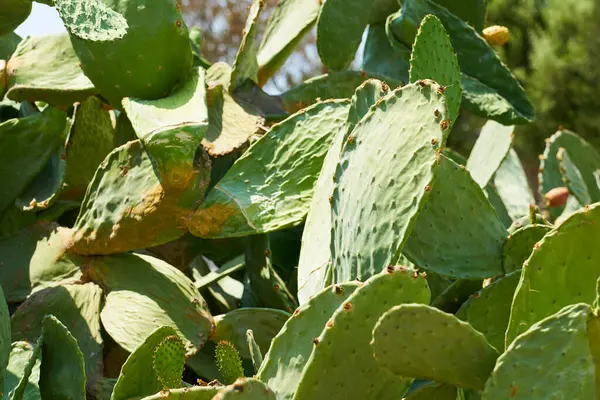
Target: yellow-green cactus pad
(22, 380)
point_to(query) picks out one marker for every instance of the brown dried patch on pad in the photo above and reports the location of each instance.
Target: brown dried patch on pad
(213, 218)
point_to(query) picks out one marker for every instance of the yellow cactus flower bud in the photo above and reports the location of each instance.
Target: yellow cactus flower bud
(496, 35)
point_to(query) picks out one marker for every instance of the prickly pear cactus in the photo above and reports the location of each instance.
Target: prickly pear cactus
(228, 361)
(168, 362)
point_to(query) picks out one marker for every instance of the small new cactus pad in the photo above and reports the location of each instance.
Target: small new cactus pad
(168, 362)
(138, 377)
(35, 258)
(342, 350)
(265, 324)
(552, 359)
(415, 340)
(13, 13)
(91, 20)
(513, 187)
(245, 65)
(5, 338)
(91, 138)
(62, 373)
(496, 35)
(46, 68)
(144, 293)
(561, 270)
(335, 85)
(399, 165)
(78, 308)
(433, 58)
(489, 151)
(22, 379)
(147, 62)
(256, 354)
(246, 389)
(572, 177)
(485, 77)
(267, 289)
(186, 393)
(316, 237)
(291, 348)
(520, 244)
(290, 154)
(457, 233)
(229, 362)
(289, 21)
(26, 146)
(587, 160)
(488, 310)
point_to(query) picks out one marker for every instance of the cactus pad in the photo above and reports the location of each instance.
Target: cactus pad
(415, 340)
(23, 371)
(5, 338)
(343, 346)
(567, 371)
(138, 377)
(488, 310)
(244, 202)
(512, 186)
(169, 361)
(458, 233)
(519, 245)
(291, 348)
(369, 228)
(246, 389)
(62, 373)
(561, 270)
(245, 65)
(433, 40)
(228, 361)
(46, 68)
(186, 393)
(91, 20)
(489, 151)
(13, 13)
(145, 293)
(572, 177)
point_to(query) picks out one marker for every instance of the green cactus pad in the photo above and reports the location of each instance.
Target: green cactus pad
(369, 228)
(488, 310)
(134, 201)
(35, 258)
(26, 145)
(550, 360)
(44, 190)
(434, 390)
(46, 68)
(316, 236)
(489, 88)
(256, 354)
(4, 337)
(265, 324)
(246, 389)
(587, 161)
(415, 340)
(343, 346)
(138, 377)
(291, 154)
(245, 65)
(91, 139)
(228, 361)
(336, 85)
(561, 270)
(78, 308)
(432, 40)
(456, 294)
(489, 151)
(169, 361)
(8, 44)
(340, 27)
(289, 21)
(13, 13)
(381, 59)
(91, 20)
(471, 11)
(23, 372)
(512, 186)
(62, 373)
(290, 350)
(145, 293)
(186, 393)
(148, 62)
(458, 233)
(572, 177)
(519, 245)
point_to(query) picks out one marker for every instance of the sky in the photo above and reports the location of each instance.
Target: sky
(43, 20)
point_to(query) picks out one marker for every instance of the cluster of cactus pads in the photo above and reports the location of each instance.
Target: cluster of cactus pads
(170, 230)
